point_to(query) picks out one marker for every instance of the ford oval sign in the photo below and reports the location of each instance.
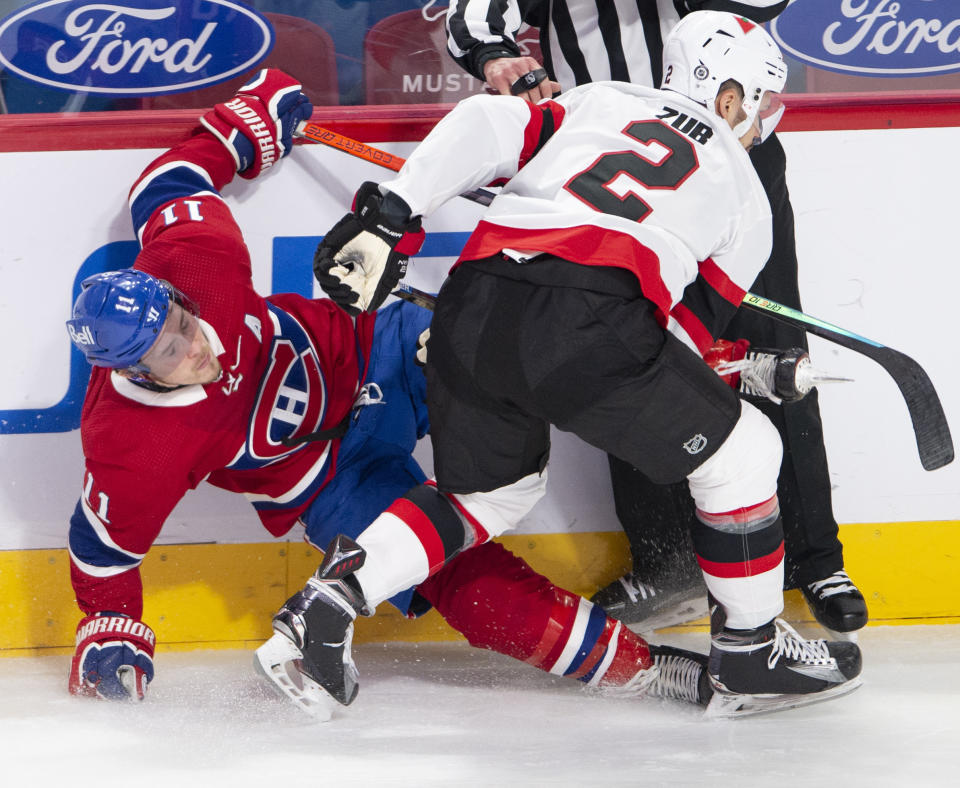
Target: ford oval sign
(134, 47)
(878, 38)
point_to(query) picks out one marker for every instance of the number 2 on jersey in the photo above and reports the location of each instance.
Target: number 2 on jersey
(666, 160)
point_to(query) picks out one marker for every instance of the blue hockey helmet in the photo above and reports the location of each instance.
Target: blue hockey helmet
(118, 316)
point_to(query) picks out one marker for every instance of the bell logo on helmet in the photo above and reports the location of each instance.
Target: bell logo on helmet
(82, 337)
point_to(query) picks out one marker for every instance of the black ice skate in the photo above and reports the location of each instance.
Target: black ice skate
(645, 608)
(837, 604)
(681, 675)
(308, 658)
(772, 668)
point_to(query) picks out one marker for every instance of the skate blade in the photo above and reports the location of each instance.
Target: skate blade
(277, 661)
(850, 637)
(684, 613)
(724, 706)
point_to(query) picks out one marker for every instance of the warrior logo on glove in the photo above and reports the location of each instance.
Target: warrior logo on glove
(257, 125)
(364, 255)
(113, 658)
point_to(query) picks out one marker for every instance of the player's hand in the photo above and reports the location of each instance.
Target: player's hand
(503, 73)
(257, 125)
(113, 658)
(364, 255)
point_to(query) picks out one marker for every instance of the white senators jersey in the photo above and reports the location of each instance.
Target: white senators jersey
(609, 174)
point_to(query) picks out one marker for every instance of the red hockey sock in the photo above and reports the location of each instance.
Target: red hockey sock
(495, 600)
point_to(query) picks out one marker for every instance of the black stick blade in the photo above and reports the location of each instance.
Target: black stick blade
(930, 427)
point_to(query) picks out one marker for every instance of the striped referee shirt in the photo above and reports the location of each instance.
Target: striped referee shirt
(582, 40)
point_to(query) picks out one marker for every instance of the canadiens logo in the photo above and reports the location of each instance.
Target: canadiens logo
(696, 444)
(291, 401)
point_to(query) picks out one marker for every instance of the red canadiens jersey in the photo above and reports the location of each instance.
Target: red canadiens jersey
(608, 174)
(291, 366)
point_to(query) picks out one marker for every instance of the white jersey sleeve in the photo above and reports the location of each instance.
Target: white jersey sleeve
(608, 174)
(481, 141)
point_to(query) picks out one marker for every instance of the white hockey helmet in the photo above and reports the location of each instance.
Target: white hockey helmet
(709, 47)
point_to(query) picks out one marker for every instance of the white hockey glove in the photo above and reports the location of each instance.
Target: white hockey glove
(257, 125)
(113, 658)
(364, 255)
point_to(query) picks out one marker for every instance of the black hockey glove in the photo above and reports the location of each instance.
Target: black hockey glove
(364, 255)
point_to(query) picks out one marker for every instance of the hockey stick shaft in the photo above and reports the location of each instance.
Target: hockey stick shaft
(315, 133)
(930, 427)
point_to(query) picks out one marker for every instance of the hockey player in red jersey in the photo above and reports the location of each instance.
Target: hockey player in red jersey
(628, 228)
(310, 414)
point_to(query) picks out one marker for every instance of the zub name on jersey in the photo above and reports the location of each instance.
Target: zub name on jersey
(695, 129)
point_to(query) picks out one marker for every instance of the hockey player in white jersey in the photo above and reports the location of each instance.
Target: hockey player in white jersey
(629, 226)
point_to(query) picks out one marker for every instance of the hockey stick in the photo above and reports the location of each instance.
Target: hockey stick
(930, 427)
(315, 133)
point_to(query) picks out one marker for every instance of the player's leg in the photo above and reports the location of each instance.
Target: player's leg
(495, 600)
(757, 662)
(676, 417)
(309, 657)
(664, 586)
(412, 539)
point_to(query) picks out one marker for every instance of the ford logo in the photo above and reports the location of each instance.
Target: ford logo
(880, 38)
(133, 48)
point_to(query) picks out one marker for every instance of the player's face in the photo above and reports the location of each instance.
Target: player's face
(181, 355)
(764, 122)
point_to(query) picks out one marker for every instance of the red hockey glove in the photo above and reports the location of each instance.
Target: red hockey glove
(721, 353)
(113, 658)
(257, 125)
(364, 255)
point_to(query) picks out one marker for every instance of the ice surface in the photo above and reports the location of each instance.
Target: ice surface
(448, 715)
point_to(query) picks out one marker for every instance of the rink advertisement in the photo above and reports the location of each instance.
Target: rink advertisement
(875, 222)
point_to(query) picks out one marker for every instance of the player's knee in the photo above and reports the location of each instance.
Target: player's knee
(744, 469)
(499, 510)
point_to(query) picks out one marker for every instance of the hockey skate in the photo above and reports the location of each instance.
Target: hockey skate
(308, 658)
(772, 668)
(681, 675)
(837, 604)
(645, 608)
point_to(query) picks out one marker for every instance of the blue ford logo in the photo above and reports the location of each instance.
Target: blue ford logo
(879, 38)
(133, 48)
